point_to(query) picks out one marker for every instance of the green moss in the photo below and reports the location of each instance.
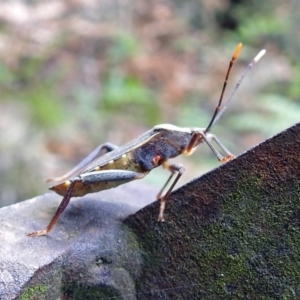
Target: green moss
(249, 250)
(35, 292)
(249, 243)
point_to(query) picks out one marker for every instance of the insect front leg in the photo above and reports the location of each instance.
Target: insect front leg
(113, 177)
(99, 151)
(229, 155)
(173, 169)
(207, 137)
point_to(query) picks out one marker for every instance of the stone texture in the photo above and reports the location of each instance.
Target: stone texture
(89, 254)
(234, 233)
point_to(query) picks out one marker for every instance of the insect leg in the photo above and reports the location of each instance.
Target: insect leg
(200, 136)
(88, 179)
(65, 201)
(229, 155)
(99, 151)
(173, 169)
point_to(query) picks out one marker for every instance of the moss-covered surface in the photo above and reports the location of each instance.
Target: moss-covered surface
(32, 293)
(232, 234)
(80, 292)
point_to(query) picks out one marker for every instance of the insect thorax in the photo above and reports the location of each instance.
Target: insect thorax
(170, 142)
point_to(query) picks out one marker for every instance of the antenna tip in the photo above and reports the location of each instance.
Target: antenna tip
(259, 55)
(237, 50)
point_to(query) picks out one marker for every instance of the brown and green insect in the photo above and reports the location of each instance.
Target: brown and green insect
(137, 158)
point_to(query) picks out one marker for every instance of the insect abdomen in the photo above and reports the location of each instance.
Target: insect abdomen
(124, 162)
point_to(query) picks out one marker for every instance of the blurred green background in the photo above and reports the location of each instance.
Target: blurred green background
(74, 74)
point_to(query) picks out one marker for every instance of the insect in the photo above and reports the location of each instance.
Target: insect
(137, 158)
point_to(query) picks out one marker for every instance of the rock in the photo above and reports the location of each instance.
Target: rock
(88, 254)
(232, 233)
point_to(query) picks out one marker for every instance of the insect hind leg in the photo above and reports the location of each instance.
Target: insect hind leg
(63, 204)
(99, 151)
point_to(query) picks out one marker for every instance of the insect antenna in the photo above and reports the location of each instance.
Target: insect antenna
(221, 109)
(233, 58)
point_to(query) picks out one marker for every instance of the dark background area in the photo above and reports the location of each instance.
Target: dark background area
(74, 74)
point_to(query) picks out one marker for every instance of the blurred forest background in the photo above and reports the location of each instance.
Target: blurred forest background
(77, 73)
